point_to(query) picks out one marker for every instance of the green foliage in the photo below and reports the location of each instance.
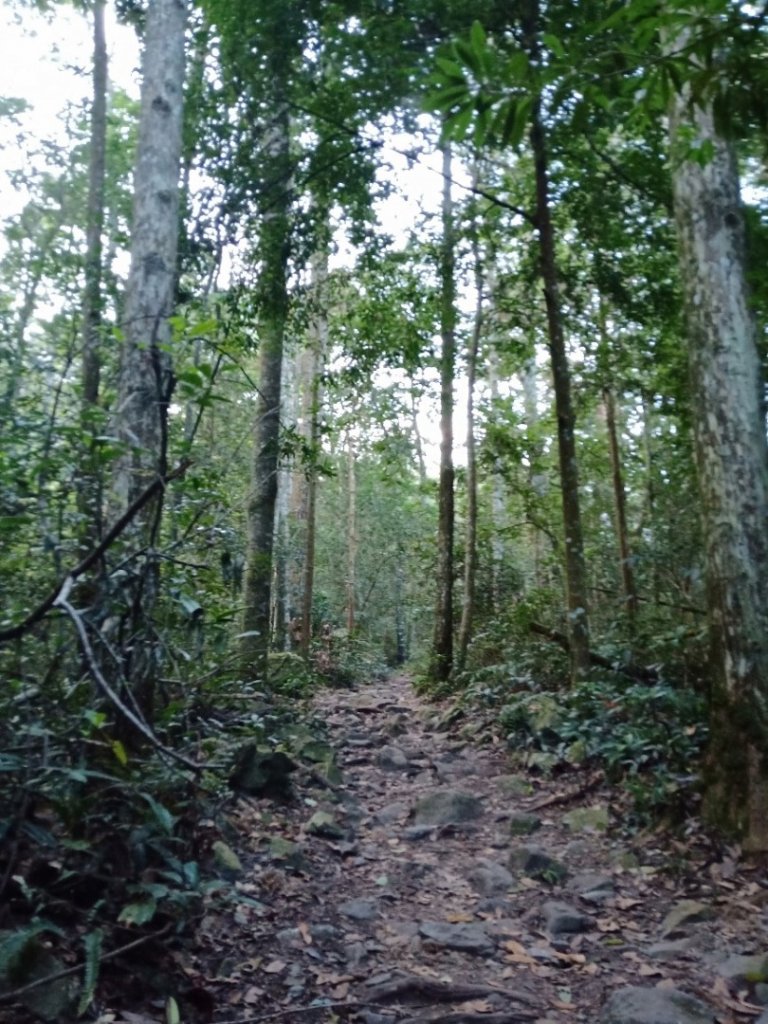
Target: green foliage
(648, 737)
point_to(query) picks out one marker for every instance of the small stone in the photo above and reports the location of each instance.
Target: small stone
(320, 933)
(325, 826)
(683, 914)
(359, 910)
(523, 824)
(563, 919)
(392, 759)
(536, 863)
(592, 887)
(668, 951)
(587, 819)
(489, 878)
(636, 1005)
(514, 785)
(468, 938)
(283, 851)
(415, 833)
(391, 813)
(447, 807)
(626, 860)
(226, 859)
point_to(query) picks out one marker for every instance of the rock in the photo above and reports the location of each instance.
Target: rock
(761, 993)
(359, 910)
(489, 878)
(415, 833)
(587, 819)
(325, 826)
(576, 753)
(322, 934)
(563, 919)
(738, 970)
(392, 759)
(226, 860)
(523, 824)
(592, 887)
(390, 814)
(684, 913)
(625, 860)
(283, 851)
(447, 807)
(262, 773)
(514, 785)
(468, 938)
(536, 863)
(396, 726)
(668, 951)
(636, 1005)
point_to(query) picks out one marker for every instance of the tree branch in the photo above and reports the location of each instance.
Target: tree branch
(14, 632)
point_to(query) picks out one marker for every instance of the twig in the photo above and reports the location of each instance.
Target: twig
(644, 675)
(569, 794)
(66, 972)
(438, 991)
(132, 716)
(14, 632)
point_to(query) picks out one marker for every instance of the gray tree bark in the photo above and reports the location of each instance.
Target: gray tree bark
(146, 374)
(732, 462)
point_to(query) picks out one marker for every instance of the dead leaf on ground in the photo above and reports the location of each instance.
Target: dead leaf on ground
(460, 918)
(305, 932)
(275, 967)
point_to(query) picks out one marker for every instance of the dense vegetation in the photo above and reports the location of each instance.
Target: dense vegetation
(220, 484)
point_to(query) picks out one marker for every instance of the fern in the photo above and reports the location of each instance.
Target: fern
(92, 942)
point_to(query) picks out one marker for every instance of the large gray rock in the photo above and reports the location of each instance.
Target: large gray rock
(536, 863)
(636, 1005)
(447, 807)
(489, 878)
(468, 938)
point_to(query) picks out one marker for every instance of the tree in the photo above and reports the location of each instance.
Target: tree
(441, 664)
(732, 460)
(146, 372)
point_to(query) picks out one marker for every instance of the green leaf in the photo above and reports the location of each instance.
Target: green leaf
(119, 751)
(478, 39)
(138, 913)
(469, 58)
(92, 942)
(554, 45)
(172, 1015)
(162, 815)
(450, 68)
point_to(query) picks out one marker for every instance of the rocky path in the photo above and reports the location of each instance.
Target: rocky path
(432, 884)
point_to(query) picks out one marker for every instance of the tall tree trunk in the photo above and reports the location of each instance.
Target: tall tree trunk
(351, 538)
(146, 373)
(577, 618)
(470, 538)
(732, 463)
(530, 382)
(442, 646)
(318, 349)
(273, 309)
(89, 498)
(498, 502)
(629, 590)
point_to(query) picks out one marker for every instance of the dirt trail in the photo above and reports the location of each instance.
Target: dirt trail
(395, 910)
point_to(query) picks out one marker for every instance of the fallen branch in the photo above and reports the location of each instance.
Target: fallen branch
(433, 991)
(159, 484)
(508, 1017)
(568, 795)
(15, 994)
(132, 716)
(643, 675)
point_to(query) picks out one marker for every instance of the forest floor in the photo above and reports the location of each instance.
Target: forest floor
(410, 892)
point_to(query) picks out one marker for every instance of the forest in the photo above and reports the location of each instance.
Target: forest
(417, 340)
